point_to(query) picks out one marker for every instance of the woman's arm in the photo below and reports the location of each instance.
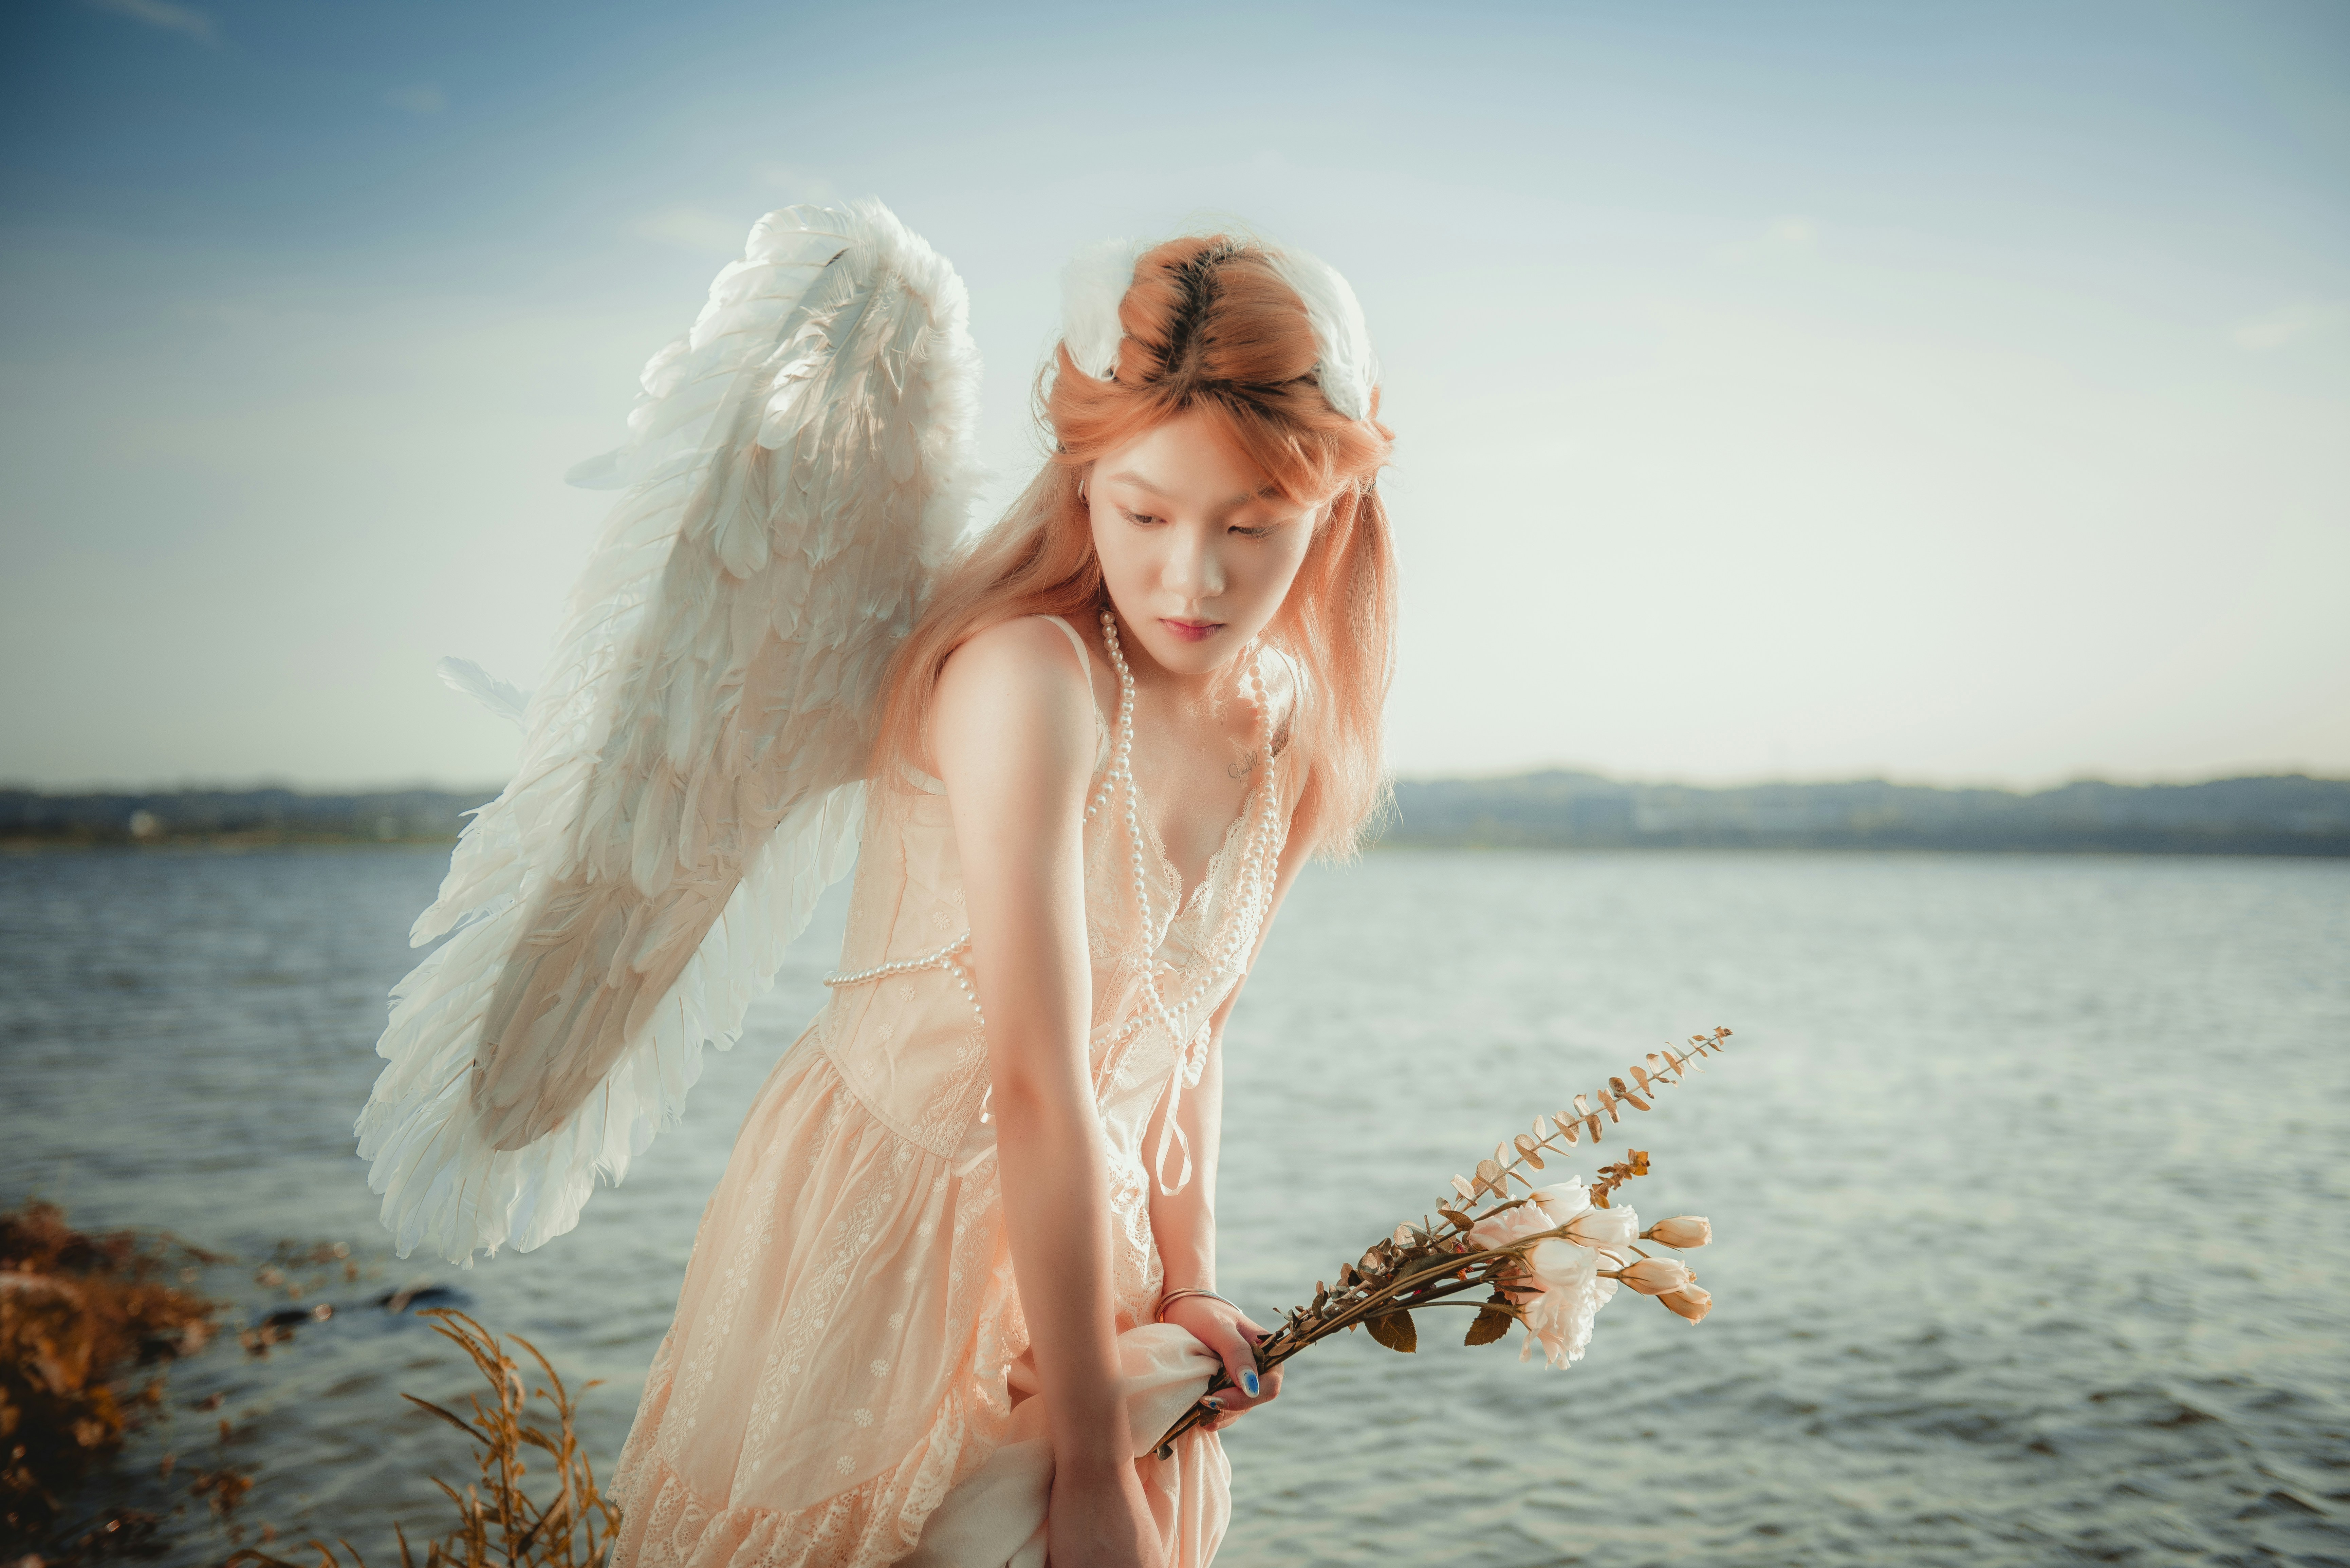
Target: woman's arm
(1185, 1224)
(1013, 736)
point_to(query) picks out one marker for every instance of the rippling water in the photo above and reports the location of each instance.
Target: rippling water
(2027, 1176)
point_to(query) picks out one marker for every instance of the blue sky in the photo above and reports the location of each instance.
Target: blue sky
(1957, 393)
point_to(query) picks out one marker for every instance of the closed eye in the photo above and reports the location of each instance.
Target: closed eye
(1137, 518)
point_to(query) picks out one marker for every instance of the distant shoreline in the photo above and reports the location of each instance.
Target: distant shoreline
(2281, 815)
(2272, 816)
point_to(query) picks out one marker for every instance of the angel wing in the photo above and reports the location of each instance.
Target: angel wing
(691, 771)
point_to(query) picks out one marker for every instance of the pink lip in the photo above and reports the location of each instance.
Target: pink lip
(1192, 631)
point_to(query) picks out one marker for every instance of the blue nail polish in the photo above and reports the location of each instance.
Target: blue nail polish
(1248, 1381)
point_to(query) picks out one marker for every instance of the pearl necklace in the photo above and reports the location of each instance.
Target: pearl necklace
(1253, 884)
(1252, 888)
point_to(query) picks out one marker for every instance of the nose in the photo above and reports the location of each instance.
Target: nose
(1193, 569)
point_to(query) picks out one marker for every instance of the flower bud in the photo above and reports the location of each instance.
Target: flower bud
(1605, 1227)
(1655, 1277)
(1681, 1230)
(1691, 1302)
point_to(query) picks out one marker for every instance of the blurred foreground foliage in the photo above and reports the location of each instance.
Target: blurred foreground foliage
(80, 1315)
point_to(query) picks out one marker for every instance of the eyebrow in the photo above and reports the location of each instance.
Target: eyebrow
(1127, 476)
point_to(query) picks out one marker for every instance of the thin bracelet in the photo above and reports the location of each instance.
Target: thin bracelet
(1159, 1313)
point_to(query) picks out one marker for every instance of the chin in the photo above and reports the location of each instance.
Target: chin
(1188, 655)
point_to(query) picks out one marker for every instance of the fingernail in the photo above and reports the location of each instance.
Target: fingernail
(1248, 1381)
(1212, 1402)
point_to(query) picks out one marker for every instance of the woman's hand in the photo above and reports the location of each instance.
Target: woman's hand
(1099, 1518)
(1226, 1331)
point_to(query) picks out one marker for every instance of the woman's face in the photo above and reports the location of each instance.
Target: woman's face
(1198, 548)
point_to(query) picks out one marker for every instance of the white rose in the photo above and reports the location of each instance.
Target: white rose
(1567, 1296)
(1564, 1202)
(1563, 1266)
(1501, 1229)
(1605, 1227)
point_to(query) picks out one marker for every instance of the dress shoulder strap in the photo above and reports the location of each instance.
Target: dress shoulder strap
(1086, 663)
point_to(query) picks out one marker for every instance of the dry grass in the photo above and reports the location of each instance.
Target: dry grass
(568, 1525)
(79, 1312)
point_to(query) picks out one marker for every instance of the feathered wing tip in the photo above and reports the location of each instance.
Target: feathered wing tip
(503, 698)
(691, 771)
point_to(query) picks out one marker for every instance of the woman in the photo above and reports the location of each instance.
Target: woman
(1125, 718)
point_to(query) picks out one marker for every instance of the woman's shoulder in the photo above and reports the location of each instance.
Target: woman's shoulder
(1018, 678)
(1028, 646)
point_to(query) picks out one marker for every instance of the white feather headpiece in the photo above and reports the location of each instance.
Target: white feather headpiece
(1092, 285)
(1097, 278)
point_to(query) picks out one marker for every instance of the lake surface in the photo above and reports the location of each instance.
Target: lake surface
(2027, 1178)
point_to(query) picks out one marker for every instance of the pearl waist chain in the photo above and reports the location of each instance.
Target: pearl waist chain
(1113, 1049)
(937, 958)
(943, 958)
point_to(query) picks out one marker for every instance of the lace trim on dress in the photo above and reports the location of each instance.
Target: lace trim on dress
(665, 1523)
(900, 1457)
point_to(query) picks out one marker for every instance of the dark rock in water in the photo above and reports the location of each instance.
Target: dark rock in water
(188, 1338)
(418, 1293)
(286, 1318)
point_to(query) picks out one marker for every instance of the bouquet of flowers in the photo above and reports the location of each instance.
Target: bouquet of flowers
(1548, 1257)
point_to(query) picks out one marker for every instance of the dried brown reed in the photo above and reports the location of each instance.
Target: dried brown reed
(78, 1312)
(568, 1526)
(1431, 1263)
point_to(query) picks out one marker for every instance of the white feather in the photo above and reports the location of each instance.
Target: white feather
(1093, 286)
(691, 776)
(502, 698)
(1347, 370)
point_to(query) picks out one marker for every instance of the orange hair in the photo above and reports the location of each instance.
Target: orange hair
(1210, 327)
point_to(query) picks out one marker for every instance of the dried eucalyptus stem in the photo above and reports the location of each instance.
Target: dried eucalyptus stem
(1431, 1263)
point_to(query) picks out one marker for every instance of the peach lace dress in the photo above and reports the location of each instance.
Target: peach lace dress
(840, 1357)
